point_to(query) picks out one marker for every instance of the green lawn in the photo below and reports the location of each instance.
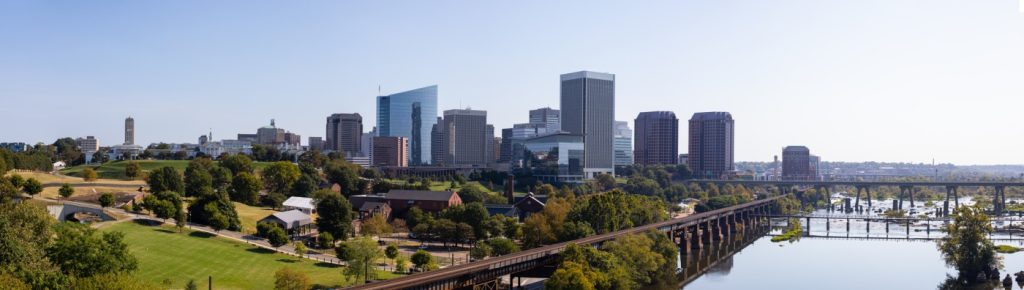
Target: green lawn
(165, 254)
(249, 215)
(115, 169)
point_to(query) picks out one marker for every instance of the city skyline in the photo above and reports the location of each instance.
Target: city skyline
(888, 90)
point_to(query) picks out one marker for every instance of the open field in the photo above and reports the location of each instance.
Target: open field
(165, 254)
(249, 215)
(115, 169)
(51, 184)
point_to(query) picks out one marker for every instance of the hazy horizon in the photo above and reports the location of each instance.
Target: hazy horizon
(886, 81)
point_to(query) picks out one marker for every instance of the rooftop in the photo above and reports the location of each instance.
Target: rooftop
(420, 195)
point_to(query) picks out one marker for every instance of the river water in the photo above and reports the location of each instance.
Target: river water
(866, 257)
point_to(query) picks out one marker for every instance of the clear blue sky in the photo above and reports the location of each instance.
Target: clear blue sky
(857, 80)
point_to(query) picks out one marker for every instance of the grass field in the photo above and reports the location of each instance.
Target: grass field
(164, 254)
(115, 169)
(249, 215)
(80, 186)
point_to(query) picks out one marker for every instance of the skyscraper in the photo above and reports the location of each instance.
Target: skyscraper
(657, 138)
(796, 163)
(488, 144)
(550, 118)
(411, 114)
(465, 138)
(129, 131)
(711, 144)
(623, 144)
(588, 110)
(345, 133)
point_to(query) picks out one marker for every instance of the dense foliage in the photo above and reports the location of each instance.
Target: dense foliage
(966, 246)
(629, 262)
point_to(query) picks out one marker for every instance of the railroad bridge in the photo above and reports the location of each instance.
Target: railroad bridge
(907, 189)
(690, 233)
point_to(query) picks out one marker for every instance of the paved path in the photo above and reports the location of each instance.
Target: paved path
(237, 236)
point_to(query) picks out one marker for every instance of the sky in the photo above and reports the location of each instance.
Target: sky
(865, 80)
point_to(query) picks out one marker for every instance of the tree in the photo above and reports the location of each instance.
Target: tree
(132, 170)
(569, 276)
(25, 229)
(237, 163)
(81, 251)
(360, 253)
(334, 215)
(326, 241)
(66, 190)
(391, 251)
(277, 237)
(344, 174)
(156, 206)
(221, 177)
(422, 259)
(107, 199)
(288, 279)
(32, 187)
(165, 179)
(480, 250)
(215, 219)
(16, 180)
(280, 176)
(300, 249)
(605, 182)
(473, 214)
(89, 174)
(376, 225)
(966, 246)
(263, 228)
(197, 177)
(245, 188)
(215, 207)
(503, 246)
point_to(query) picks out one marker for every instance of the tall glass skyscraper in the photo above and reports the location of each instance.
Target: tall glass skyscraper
(588, 109)
(410, 114)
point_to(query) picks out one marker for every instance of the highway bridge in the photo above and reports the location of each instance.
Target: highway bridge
(691, 232)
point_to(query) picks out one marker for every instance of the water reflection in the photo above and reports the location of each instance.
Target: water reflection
(823, 263)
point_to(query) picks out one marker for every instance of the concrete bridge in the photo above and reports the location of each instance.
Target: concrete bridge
(692, 233)
(906, 188)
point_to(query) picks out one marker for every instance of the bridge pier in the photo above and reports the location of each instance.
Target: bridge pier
(951, 190)
(808, 225)
(910, 191)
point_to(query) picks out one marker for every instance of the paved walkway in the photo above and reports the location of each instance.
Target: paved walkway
(237, 236)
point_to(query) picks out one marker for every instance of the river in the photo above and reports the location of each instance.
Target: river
(870, 258)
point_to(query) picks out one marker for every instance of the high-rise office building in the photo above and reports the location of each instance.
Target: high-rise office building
(588, 110)
(465, 138)
(345, 133)
(506, 145)
(488, 144)
(390, 151)
(711, 144)
(409, 114)
(623, 144)
(437, 155)
(550, 118)
(796, 163)
(129, 131)
(657, 138)
(316, 143)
